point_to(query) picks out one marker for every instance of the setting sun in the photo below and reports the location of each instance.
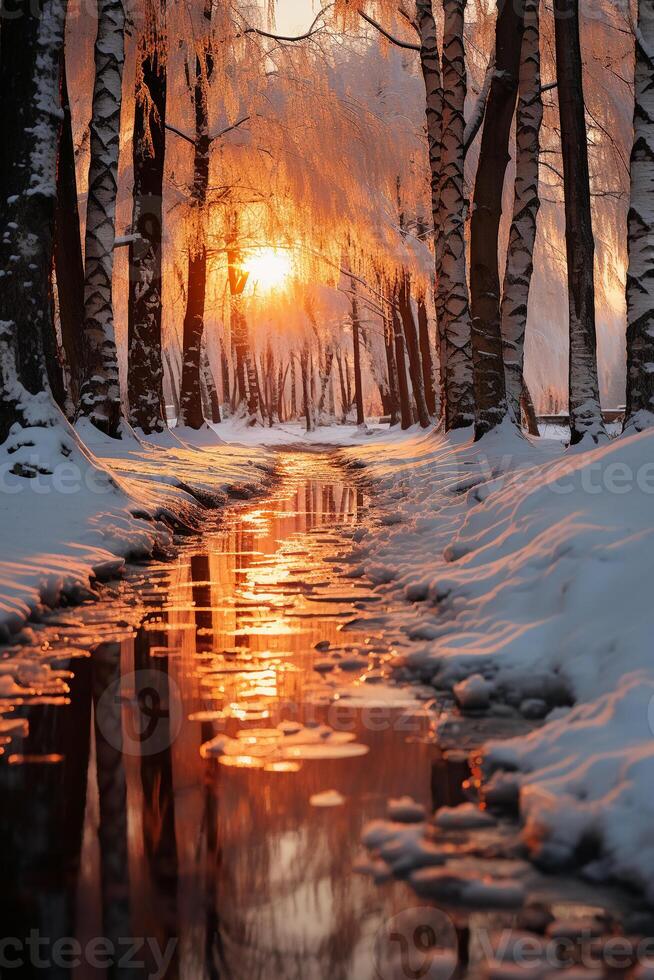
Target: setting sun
(268, 268)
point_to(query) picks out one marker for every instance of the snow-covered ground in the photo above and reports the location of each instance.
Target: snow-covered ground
(94, 504)
(528, 569)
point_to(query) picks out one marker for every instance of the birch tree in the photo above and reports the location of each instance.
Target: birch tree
(453, 299)
(69, 260)
(100, 392)
(30, 67)
(191, 396)
(526, 205)
(640, 276)
(585, 411)
(490, 388)
(145, 374)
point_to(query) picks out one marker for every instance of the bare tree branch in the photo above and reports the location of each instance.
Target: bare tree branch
(229, 129)
(300, 37)
(389, 37)
(178, 132)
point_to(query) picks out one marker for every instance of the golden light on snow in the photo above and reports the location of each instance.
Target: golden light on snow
(269, 268)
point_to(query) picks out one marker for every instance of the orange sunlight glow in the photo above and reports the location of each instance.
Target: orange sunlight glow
(268, 267)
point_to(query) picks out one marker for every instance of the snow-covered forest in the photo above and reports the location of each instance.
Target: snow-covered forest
(327, 333)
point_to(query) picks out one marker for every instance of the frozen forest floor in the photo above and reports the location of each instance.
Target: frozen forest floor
(517, 573)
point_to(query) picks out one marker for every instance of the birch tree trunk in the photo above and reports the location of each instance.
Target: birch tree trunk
(413, 350)
(356, 340)
(430, 64)
(406, 415)
(640, 276)
(30, 67)
(190, 396)
(452, 289)
(393, 393)
(69, 261)
(100, 392)
(526, 205)
(426, 357)
(490, 388)
(585, 411)
(145, 362)
(210, 386)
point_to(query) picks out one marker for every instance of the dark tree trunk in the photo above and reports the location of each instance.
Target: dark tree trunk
(294, 389)
(356, 340)
(393, 393)
(145, 362)
(413, 350)
(174, 385)
(69, 261)
(426, 357)
(400, 366)
(306, 390)
(224, 364)
(585, 410)
(528, 410)
(190, 402)
(30, 68)
(209, 384)
(490, 388)
(190, 396)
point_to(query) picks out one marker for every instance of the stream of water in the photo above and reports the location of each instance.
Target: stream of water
(120, 821)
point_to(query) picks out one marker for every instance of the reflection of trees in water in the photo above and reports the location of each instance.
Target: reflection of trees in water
(158, 803)
(42, 820)
(234, 862)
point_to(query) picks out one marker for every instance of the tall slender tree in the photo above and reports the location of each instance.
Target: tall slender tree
(100, 391)
(191, 413)
(640, 277)
(356, 340)
(145, 375)
(413, 351)
(585, 411)
(30, 118)
(526, 205)
(69, 260)
(490, 388)
(452, 287)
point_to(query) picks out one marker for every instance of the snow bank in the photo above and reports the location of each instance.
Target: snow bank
(531, 570)
(82, 508)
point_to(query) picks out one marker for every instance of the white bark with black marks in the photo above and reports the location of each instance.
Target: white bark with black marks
(32, 47)
(453, 298)
(526, 205)
(585, 411)
(100, 395)
(640, 276)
